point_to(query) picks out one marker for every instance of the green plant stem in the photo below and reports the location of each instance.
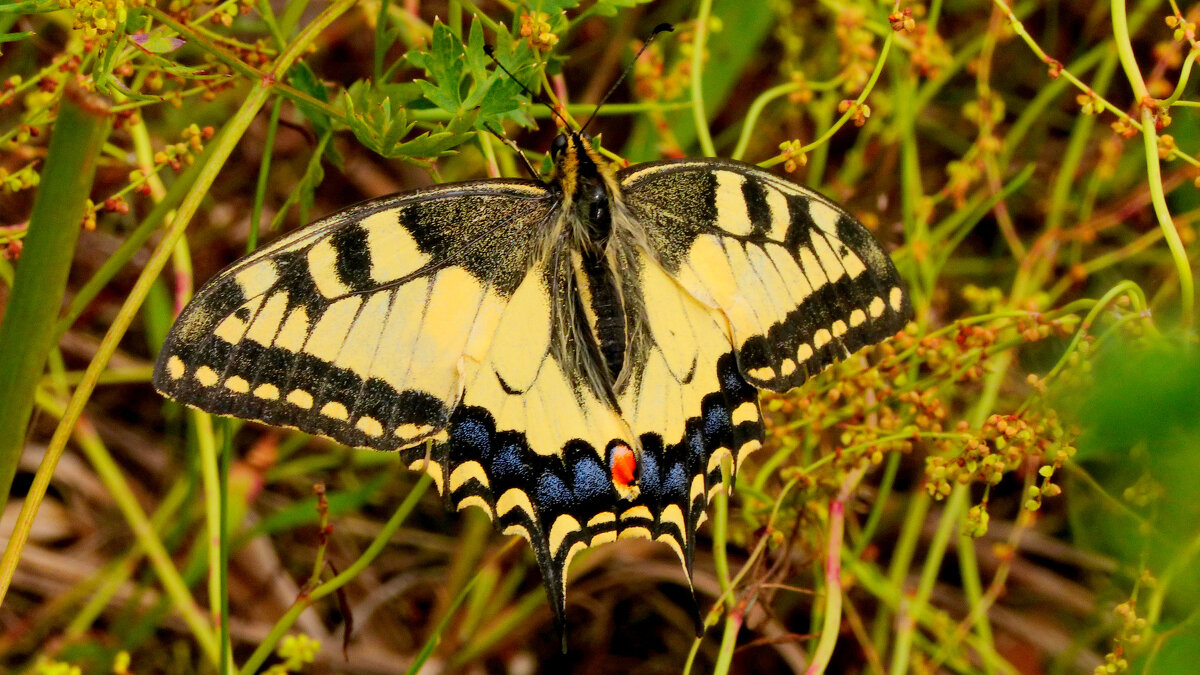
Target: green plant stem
(916, 225)
(436, 636)
(902, 557)
(302, 603)
(1183, 268)
(849, 113)
(1184, 74)
(132, 244)
(698, 115)
(733, 625)
(1182, 562)
(264, 173)
(952, 516)
(27, 331)
(968, 566)
(1125, 288)
(881, 499)
(206, 444)
(862, 96)
(224, 545)
(275, 77)
(752, 115)
(720, 531)
(893, 596)
(720, 535)
(213, 160)
(833, 584)
(901, 655)
(496, 631)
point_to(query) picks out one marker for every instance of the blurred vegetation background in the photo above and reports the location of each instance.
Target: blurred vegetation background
(1007, 487)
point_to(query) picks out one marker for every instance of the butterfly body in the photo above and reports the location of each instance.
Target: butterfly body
(577, 358)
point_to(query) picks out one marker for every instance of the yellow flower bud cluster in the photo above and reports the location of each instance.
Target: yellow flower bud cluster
(98, 18)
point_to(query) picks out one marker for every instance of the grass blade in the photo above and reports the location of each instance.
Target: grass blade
(28, 326)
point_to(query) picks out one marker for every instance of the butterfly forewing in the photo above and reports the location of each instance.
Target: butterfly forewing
(800, 281)
(358, 327)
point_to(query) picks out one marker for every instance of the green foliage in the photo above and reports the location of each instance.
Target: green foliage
(458, 83)
(1137, 408)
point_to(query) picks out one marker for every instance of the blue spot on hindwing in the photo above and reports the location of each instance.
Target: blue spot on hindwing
(650, 481)
(553, 497)
(717, 421)
(675, 486)
(507, 466)
(732, 383)
(591, 480)
(695, 441)
(471, 439)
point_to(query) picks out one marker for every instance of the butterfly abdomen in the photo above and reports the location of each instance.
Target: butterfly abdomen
(603, 308)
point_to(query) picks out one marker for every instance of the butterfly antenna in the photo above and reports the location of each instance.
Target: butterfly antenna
(533, 173)
(491, 52)
(660, 28)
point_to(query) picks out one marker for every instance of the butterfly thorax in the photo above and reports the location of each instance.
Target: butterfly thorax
(599, 324)
(590, 189)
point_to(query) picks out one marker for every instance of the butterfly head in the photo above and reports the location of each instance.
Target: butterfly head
(574, 154)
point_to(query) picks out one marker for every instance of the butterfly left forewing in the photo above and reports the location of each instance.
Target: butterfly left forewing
(800, 282)
(356, 327)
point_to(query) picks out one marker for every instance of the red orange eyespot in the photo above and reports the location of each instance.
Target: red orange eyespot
(623, 465)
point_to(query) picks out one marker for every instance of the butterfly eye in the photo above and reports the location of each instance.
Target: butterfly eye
(558, 146)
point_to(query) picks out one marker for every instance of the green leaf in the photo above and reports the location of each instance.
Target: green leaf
(305, 191)
(303, 78)
(304, 512)
(441, 97)
(1140, 440)
(445, 63)
(554, 7)
(370, 109)
(505, 99)
(477, 59)
(27, 326)
(611, 7)
(438, 143)
(384, 37)
(31, 7)
(157, 42)
(455, 67)
(378, 119)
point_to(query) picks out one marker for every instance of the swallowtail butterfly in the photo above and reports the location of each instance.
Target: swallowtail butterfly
(574, 357)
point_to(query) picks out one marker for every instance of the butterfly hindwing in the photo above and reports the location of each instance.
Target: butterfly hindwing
(357, 327)
(800, 281)
(529, 442)
(688, 403)
(532, 444)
